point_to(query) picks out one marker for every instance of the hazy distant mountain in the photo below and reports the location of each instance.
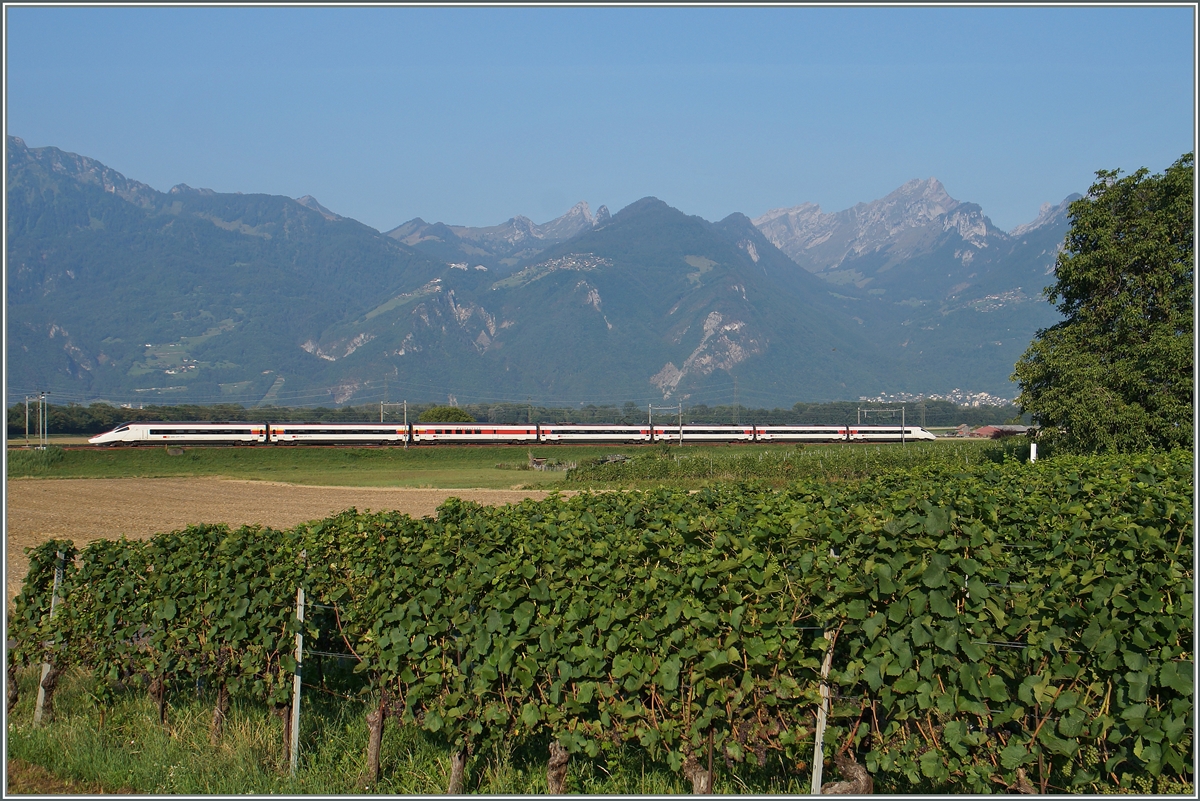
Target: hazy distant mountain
(861, 244)
(1048, 215)
(946, 291)
(653, 302)
(118, 291)
(819, 240)
(916, 242)
(115, 289)
(497, 247)
(56, 163)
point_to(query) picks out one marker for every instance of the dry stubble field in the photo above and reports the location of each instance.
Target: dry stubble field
(83, 510)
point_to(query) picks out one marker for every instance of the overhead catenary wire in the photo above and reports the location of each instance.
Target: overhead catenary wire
(374, 391)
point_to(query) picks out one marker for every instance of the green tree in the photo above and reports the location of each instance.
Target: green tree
(1116, 373)
(445, 414)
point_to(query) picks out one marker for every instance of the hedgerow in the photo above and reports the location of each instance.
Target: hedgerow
(789, 464)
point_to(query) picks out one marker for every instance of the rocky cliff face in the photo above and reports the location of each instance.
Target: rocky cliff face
(800, 229)
(918, 240)
(1049, 214)
(573, 223)
(912, 221)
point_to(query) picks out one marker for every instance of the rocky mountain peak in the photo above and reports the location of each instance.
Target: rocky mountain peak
(580, 209)
(914, 204)
(577, 220)
(182, 189)
(930, 189)
(804, 211)
(1048, 214)
(918, 210)
(308, 201)
(522, 227)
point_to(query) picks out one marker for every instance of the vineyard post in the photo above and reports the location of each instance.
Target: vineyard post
(822, 716)
(39, 710)
(1033, 452)
(296, 681)
(710, 765)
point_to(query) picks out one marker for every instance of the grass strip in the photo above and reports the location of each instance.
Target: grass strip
(503, 467)
(130, 753)
(490, 467)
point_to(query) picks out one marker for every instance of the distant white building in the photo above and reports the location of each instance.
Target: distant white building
(956, 396)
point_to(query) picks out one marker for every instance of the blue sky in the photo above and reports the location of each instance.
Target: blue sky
(472, 115)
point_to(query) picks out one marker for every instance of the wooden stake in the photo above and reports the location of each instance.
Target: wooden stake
(39, 710)
(458, 764)
(822, 716)
(556, 769)
(220, 712)
(710, 731)
(295, 749)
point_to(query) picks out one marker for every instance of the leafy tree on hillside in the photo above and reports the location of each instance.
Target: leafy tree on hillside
(1116, 374)
(445, 414)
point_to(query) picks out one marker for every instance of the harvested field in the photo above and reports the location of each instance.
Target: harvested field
(83, 510)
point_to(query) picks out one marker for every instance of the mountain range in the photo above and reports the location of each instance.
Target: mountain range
(497, 246)
(117, 291)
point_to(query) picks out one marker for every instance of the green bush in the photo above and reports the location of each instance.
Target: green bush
(445, 414)
(33, 461)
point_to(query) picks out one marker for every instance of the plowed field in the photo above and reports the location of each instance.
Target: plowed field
(86, 509)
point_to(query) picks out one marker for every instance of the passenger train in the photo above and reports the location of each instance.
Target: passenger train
(239, 433)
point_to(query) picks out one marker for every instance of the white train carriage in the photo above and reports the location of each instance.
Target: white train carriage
(801, 433)
(889, 434)
(473, 432)
(697, 433)
(331, 433)
(591, 433)
(183, 434)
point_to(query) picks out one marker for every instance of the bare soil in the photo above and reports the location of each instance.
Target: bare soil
(86, 509)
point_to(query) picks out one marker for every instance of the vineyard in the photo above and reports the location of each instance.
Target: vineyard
(991, 627)
(783, 464)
